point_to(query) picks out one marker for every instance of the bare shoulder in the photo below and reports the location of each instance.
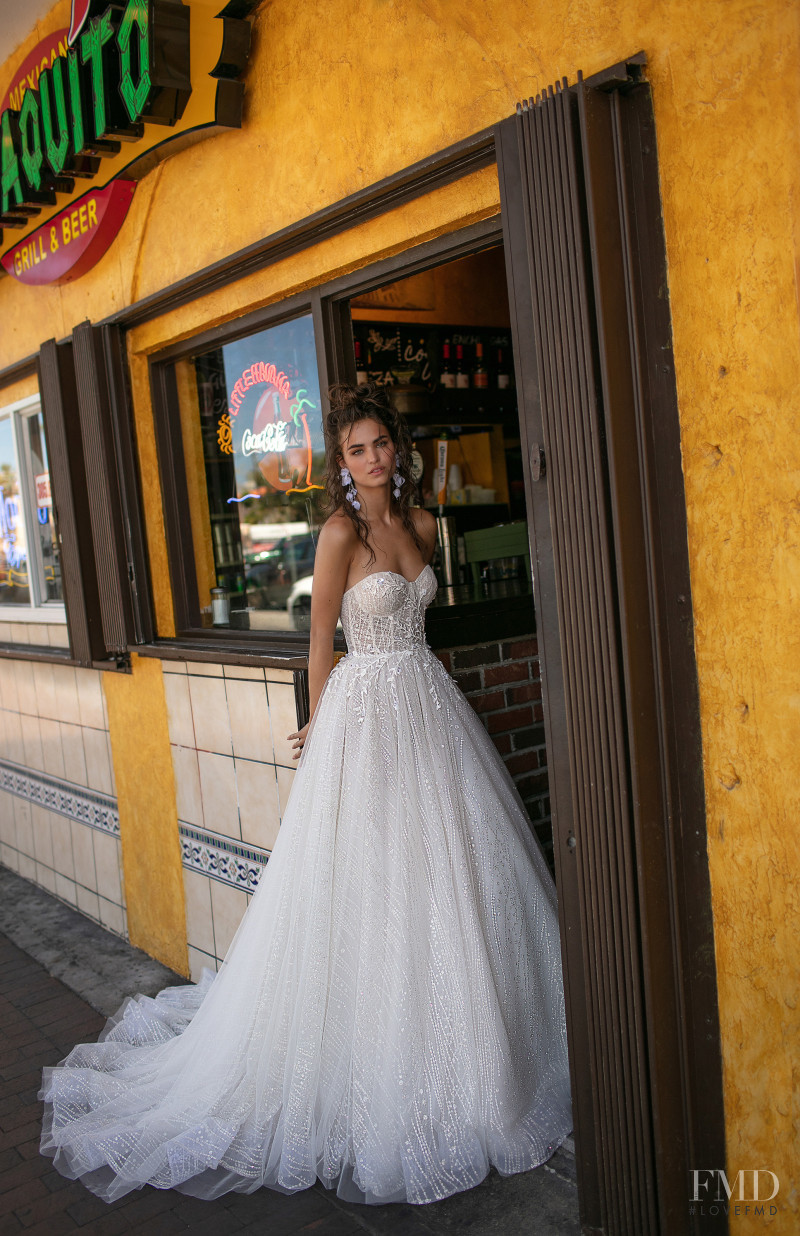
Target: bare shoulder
(425, 524)
(337, 537)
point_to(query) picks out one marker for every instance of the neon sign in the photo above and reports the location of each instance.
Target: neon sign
(104, 98)
(273, 438)
(280, 431)
(256, 374)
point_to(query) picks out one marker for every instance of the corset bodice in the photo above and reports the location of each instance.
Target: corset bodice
(385, 612)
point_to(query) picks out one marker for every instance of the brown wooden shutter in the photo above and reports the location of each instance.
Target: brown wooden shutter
(70, 501)
(103, 488)
(583, 236)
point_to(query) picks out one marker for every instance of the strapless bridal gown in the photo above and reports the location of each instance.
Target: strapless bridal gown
(390, 1015)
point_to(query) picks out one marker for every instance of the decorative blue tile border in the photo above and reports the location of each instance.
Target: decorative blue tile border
(76, 802)
(222, 858)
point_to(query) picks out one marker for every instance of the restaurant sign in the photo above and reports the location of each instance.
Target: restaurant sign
(95, 107)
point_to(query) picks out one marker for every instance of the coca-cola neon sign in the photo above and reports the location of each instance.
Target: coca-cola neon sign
(280, 431)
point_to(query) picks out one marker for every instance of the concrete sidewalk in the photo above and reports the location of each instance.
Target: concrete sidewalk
(41, 1019)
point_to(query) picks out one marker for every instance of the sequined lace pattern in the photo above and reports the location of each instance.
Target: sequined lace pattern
(390, 1015)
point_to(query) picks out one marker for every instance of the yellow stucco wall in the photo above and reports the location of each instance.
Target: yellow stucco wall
(340, 95)
(151, 855)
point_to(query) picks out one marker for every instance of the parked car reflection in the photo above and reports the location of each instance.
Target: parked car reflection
(298, 606)
(271, 579)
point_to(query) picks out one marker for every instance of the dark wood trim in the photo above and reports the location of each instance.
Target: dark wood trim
(592, 339)
(433, 172)
(105, 508)
(70, 500)
(37, 652)
(301, 697)
(19, 369)
(511, 170)
(206, 652)
(174, 495)
(123, 431)
(681, 767)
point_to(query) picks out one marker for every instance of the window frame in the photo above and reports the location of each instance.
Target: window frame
(172, 470)
(37, 610)
(328, 304)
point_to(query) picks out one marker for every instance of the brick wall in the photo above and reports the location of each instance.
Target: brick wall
(502, 683)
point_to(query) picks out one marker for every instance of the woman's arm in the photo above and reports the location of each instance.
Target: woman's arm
(331, 567)
(425, 524)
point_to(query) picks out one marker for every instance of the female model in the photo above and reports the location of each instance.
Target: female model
(390, 1015)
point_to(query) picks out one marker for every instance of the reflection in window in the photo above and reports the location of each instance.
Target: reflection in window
(14, 587)
(49, 566)
(252, 432)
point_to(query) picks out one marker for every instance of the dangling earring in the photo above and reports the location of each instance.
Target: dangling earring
(397, 478)
(350, 494)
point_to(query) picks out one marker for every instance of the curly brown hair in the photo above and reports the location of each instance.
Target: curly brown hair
(349, 405)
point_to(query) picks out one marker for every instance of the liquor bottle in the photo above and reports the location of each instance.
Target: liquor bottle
(480, 374)
(503, 376)
(361, 373)
(462, 376)
(446, 376)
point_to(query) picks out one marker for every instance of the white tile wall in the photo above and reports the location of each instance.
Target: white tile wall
(91, 708)
(283, 715)
(248, 710)
(259, 809)
(199, 923)
(218, 788)
(98, 760)
(52, 749)
(227, 906)
(233, 774)
(187, 785)
(32, 742)
(198, 962)
(231, 779)
(73, 752)
(53, 720)
(285, 780)
(210, 714)
(179, 710)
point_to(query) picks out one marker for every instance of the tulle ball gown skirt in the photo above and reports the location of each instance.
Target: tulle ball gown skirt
(390, 1015)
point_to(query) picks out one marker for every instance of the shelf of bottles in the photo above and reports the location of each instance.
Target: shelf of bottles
(440, 374)
(220, 478)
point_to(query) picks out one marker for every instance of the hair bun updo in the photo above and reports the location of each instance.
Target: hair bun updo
(368, 399)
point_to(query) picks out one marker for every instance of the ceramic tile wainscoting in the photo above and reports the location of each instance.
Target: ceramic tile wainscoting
(58, 814)
(58, 820)
(40, 634)
(233, 773)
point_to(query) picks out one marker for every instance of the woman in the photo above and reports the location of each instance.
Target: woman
(390, 1016)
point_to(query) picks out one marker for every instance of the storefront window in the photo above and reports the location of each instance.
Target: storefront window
(30, 574)
(251, 424)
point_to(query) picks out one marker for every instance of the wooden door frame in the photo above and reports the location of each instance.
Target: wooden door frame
(586, 263)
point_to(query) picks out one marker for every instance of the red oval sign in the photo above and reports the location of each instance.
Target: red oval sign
(27, 75)
(74, 240)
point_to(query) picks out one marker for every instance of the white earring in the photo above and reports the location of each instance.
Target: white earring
(397, 478)
(350, 494)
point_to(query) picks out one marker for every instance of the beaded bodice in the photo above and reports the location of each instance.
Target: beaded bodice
(385, 612)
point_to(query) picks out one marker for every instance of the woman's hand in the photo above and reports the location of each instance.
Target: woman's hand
(300, 738)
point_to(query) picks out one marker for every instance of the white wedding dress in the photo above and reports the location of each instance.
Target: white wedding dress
(390, 1015)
